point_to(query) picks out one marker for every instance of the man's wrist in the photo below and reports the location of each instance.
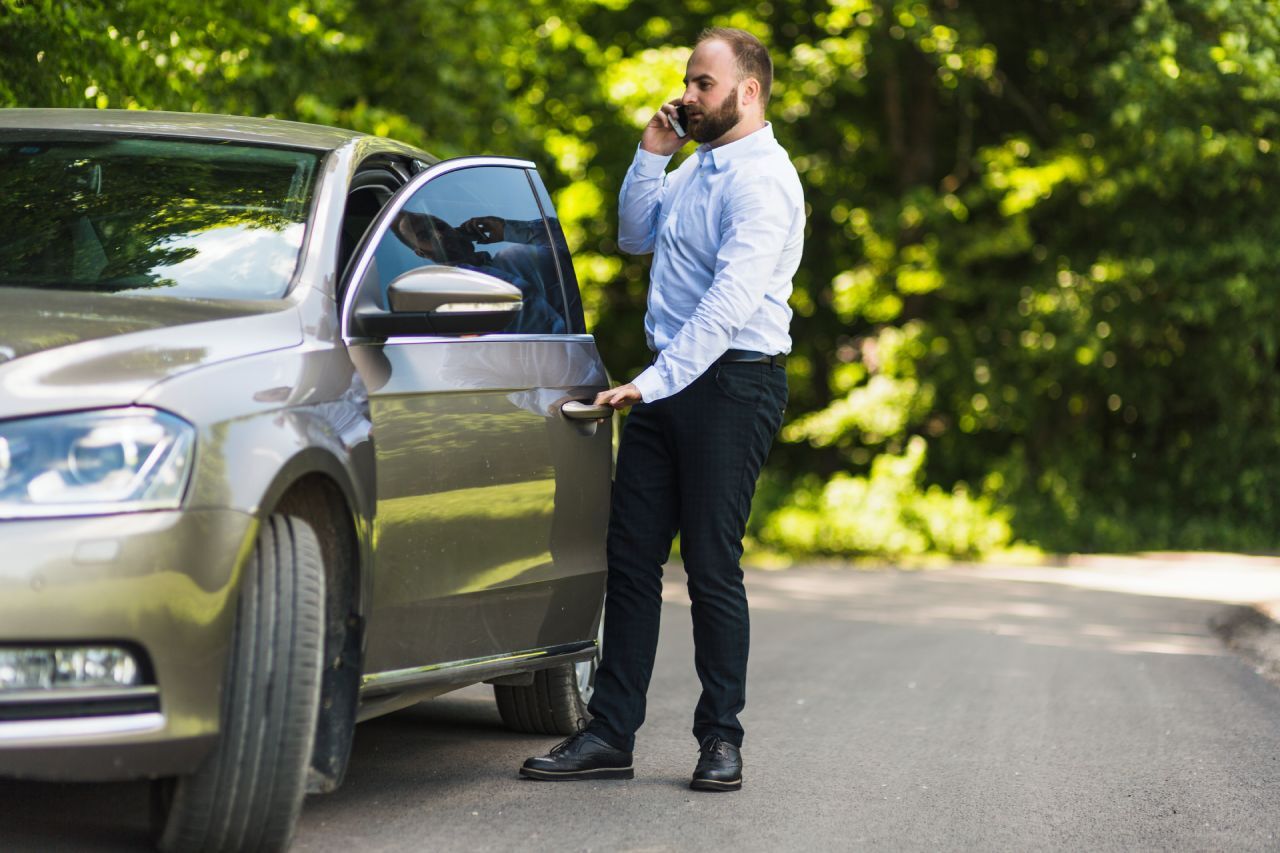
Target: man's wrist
(650, 164)
(650, 384)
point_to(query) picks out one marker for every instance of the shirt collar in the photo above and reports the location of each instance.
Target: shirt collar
(720, 158)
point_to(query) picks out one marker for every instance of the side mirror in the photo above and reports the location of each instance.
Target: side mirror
(442, 300)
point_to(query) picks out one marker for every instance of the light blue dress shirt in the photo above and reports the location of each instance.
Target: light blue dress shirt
(726, 229)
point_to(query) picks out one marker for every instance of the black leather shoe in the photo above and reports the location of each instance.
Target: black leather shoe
(719, 766)
(580, 756)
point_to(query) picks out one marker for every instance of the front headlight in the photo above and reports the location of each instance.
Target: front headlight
(93, 463)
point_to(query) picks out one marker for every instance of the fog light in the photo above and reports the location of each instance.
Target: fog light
(68, 666)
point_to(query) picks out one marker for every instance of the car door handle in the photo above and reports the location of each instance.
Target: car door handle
(580, 411)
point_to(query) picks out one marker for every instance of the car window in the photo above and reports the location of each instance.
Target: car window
(572, 296)
(481, 218)
(173, 217)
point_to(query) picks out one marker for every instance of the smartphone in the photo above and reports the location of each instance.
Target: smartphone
(680, 122)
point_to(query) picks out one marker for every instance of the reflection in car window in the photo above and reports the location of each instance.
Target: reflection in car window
(180, 218)
(573, 297)
(486, 219)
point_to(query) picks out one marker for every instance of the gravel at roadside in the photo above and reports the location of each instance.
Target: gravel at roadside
(1254, 631)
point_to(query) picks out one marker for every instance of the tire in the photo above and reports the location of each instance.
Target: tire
(248, 793)
(553, 705)
(556, 702)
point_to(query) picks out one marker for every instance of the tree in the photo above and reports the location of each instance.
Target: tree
(1039, 290)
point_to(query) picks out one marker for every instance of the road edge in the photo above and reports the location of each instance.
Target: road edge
(1253, 630)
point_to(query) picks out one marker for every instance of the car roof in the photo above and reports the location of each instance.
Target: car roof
(257, 131)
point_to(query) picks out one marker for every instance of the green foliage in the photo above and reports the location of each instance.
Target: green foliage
(1041, 244)
(889, 512)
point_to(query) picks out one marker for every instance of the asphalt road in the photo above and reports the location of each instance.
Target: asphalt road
(952, 710)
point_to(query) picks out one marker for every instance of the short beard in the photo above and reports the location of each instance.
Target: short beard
(712, 126)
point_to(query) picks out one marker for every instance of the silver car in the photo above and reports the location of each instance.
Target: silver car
(295, 430)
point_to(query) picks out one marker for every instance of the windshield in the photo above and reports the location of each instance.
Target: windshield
(171, 217)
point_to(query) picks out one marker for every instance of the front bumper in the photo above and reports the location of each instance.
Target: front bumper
(163, 583)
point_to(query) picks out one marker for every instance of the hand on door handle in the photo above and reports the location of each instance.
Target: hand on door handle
(621, 397)
(579, 411)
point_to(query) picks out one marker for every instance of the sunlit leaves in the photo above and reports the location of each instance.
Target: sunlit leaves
(890, 511)
(1041, 236)
(1026, 186)
(638, 85)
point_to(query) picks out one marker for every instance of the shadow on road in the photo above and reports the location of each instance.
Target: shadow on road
(1038, 613)
(448, 766)
(44, 816)
(390, 756)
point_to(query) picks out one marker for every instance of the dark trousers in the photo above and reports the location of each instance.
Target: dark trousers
(686, 464)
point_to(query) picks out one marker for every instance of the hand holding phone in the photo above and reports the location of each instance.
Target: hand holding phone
(485, 229)
(680, 121)
(667, 131)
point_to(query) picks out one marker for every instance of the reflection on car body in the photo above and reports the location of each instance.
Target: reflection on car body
(283, 446)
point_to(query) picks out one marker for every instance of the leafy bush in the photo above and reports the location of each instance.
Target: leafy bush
(890, 512)
(1042, 240)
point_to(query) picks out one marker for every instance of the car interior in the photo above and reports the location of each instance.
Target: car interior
(371, 188)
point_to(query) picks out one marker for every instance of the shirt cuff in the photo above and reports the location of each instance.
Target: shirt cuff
(650, 165)
(651, 385)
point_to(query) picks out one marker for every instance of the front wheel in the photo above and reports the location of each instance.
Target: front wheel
(248, 793)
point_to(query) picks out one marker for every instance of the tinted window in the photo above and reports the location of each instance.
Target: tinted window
(572, 296)
(483, 218)
(211, 220)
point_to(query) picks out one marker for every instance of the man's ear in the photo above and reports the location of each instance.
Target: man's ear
(749, 91)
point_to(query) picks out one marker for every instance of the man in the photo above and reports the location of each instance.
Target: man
(726, 231)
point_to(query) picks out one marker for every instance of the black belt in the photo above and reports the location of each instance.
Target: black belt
(735, 356)
(744, 356)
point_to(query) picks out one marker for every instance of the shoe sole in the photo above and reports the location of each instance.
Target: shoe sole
(715, 785)
(577, 775)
